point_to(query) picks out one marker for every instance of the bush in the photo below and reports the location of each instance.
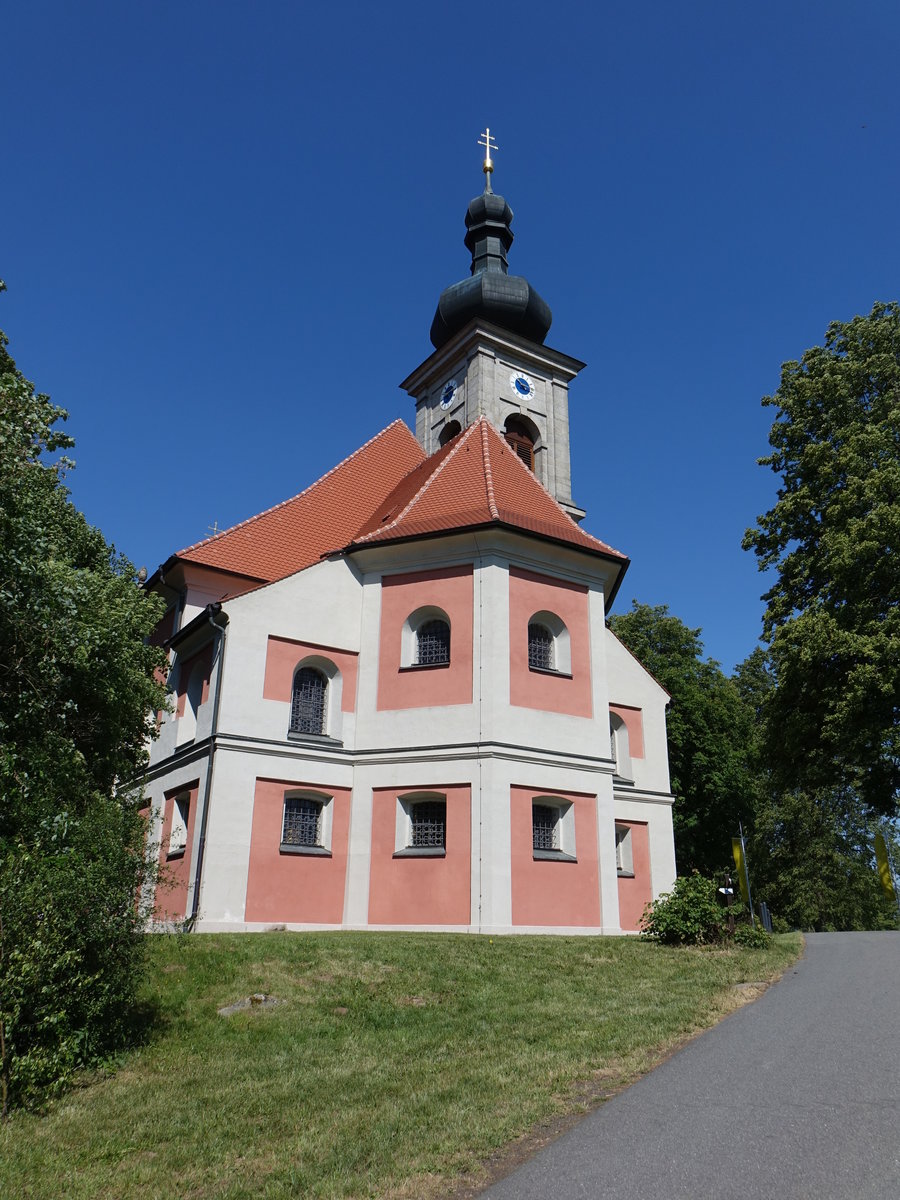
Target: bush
(753, 937)
(72, 949)
(689, 915)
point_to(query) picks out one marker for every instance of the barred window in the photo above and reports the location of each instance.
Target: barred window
(545, 827)
(432, 643)
(428, 821)
(540, 648)
(308, 701)
(302, 822)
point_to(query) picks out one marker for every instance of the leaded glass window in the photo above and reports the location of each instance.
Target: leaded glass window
(302, 822)
(545, 827)
(308, 701)
(432, 643)
(428, 819)
(540, 648)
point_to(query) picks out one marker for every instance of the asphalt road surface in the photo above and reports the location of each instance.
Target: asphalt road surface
(793, 1097)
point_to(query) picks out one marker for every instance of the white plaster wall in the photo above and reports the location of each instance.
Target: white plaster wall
(657, 812)
(630, 684)
(319, 605)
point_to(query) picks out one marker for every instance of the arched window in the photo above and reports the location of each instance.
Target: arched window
(450, 430)
(619, 748)
(308, 701)
(540, 648)
(432, 643)
(519, 438)
(302, 822)
(549, 644)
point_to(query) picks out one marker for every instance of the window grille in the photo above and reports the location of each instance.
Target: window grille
(433, 643)
(540, 648)
(308, 702)
(545, 827)
(429, 823)
(302, 821)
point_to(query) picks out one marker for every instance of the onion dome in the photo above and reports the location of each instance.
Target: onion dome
(490, 292)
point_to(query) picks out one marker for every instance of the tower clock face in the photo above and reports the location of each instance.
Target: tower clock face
(521, 385)
(448, 394)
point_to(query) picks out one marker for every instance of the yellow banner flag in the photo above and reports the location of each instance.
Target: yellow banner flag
(737, 849)
(884, 869)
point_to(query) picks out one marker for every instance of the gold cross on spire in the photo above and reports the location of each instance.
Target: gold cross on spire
(489, 144)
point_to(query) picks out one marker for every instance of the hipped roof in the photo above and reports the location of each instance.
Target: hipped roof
(389, 491)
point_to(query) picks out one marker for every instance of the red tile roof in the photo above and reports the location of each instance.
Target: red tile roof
(388, 491)
(324, 517)
(476, 479)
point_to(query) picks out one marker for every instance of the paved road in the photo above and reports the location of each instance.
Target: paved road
(795, 1097)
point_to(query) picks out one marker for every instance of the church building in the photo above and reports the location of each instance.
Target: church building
(396, 702)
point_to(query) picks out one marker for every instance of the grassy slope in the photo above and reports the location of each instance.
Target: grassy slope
(450, 1047)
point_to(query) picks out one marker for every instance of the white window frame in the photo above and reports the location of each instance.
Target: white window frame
(403, 847)
(332, 725)
(565, 829)
(409, 636)
(624, 851)
(186, 727)
(178, 830)
(326, 822)
(561, 649)
(620, 746)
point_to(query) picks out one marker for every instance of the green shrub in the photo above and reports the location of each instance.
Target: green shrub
(689, 915)
(754, 937)
(72, 951)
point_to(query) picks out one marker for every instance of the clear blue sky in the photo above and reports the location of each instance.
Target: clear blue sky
(225, 227)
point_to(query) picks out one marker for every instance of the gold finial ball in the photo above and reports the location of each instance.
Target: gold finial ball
(488, 165)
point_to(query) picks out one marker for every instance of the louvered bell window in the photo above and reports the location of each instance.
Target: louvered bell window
(433, 643)
(520, 442)
(545, 827)
(308, 701)
(302, 822)
(428, 820)
(540, 648)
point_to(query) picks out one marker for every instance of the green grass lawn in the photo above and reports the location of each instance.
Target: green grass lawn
(393, 1065)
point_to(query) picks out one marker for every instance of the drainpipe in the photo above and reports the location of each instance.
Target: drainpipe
(213, 611)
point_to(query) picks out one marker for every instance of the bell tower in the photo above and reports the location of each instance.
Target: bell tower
(490, 359)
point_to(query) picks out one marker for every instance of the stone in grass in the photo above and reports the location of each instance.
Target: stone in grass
(257, 1000)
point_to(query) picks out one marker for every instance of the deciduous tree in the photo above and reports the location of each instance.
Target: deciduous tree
(832, 540)
(76, 689)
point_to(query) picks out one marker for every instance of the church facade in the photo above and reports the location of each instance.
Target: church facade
(396, 703)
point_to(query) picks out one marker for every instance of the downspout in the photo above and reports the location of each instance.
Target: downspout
(212, 612)
(480, 576)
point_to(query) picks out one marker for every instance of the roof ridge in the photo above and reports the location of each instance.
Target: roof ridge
(532, 475)
(290, 500)
(488, 469)
(430, 478)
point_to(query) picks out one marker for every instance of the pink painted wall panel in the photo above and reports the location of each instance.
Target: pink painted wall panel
(554, 893)
(295, 887)
(421, 891)
(447, 588)
(635, 893)
(175, 873)
(530, 593)
(634, 723)
(283, 656)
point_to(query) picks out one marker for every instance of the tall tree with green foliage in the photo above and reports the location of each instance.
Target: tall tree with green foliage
(709, 732)
(811, 853)
(833, 541)
(77, 690)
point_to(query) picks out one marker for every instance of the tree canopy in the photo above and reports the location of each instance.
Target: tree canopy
(833, 541)
(77, 688)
